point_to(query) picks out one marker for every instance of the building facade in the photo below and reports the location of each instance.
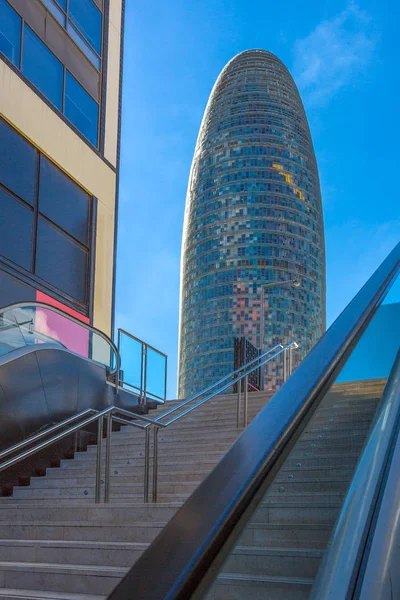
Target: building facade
(60, 93)
(253, 217)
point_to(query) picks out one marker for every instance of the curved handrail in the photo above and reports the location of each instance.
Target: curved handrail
(73, 319)
(219, 508)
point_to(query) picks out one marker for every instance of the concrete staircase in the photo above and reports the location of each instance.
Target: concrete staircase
(55, 543)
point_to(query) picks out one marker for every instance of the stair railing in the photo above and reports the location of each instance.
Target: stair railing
(122, 416)
(220, 386)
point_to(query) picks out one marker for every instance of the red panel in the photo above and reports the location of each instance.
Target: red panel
(41, 297)
(72, 335)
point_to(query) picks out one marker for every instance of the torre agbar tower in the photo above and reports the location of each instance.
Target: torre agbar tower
(253, 217)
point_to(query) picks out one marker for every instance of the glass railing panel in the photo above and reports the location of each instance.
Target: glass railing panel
(156, 374)
(131, 353)
(30, 324)
(279, 551)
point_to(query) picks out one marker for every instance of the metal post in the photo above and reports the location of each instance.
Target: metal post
(143, 400)
(146, 464)
(246, 385)
(285, 365)
(108, 461)
(290, 360)
(155, 464)
(76, 441)
(239, 388)
(98, 459)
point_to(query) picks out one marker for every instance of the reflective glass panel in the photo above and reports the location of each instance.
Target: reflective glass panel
(18, 161)
(131, 353)
(87, 18)
(10, 32)
(55, 11)
(15, 230)
(156, 366)
(42, 68)
(61, 261)
(63, 201)
(81, 109)
(86, 49)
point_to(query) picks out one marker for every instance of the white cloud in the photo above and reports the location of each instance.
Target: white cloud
(334, 54)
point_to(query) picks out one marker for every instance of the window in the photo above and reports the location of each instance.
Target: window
(15, 230)
(45, 230)
(43, 69)
(81, 109)
(63, 201)
(17, 163)
(61, 261)
(87, 18)
(46, 72)
(10, 32)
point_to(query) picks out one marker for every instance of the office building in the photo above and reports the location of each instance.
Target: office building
(253, 218)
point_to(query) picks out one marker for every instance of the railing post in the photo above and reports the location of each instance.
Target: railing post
(239, 389)
(246, 391)
(76, 441)
(155, 464)
(146, 464)
(290, 360)
(285, 365)
(98, 459)
(108, 461)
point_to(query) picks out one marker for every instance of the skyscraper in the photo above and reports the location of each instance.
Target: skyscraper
(60, 89)
(253, 217)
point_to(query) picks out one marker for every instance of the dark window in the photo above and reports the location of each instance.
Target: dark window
(42, 68)
(61, 261)
(81, 109)
(62, 201)
(45, 230)
(10, 32)
(87, 18)
(17, 163)
(15, 230)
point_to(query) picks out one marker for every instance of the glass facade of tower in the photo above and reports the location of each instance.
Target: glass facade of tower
(253, 217)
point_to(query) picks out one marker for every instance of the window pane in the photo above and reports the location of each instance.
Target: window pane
(86, 49)
(17, 163)
(10, 32)
(87, 17)
(55, 11)
(81, 109)
(63, 4)
(60, 261)
(15, 230)
(63, 201)
(43, 69)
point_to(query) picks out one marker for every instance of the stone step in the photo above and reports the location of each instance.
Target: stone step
(277, 534)
(122, 466)
(122, 513)
(304, 473)
(245, 587)
(299, 562)
(288, 512)
(206, 456)
(13, 594)
(163, 450)
(299, 460)
(62, 478)
(308, 486)
(143, 532)
(75, 579)
(341, 434)
(127, 489)
(113, 554)
(122, 484)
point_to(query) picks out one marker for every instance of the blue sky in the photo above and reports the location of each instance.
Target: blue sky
(344, 58)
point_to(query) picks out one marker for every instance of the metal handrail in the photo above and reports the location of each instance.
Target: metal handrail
(74, 320)
(243, 371)
(217, 511)
(45, 432)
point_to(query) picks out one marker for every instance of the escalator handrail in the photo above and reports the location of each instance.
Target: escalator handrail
(184, 559)
(43, 305)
